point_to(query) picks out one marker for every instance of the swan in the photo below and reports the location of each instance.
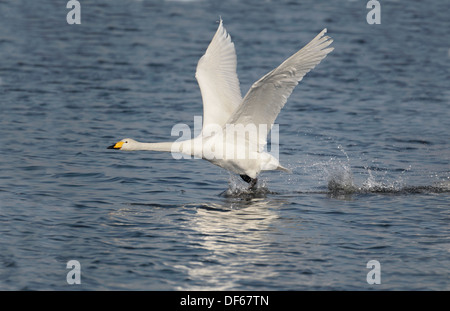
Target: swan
(240, 150)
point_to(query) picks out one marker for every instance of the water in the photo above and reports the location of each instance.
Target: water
(366, 135)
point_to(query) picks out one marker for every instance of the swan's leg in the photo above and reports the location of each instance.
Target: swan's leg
(253, 183)
(249, 180)
(246, 178)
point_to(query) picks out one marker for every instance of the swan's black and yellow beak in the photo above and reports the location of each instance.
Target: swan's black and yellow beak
(116, 146)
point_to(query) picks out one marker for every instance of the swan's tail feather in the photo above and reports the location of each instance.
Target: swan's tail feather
(284, 169)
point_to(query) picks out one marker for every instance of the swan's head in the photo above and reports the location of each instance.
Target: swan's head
(124, 144)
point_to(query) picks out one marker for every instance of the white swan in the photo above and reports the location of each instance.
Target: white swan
(251, 117)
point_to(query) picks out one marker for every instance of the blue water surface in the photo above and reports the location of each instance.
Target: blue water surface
(366, 134)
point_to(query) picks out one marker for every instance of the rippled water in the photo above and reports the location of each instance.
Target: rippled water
(366, 135)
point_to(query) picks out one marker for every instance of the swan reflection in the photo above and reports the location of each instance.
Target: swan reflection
(238, 236)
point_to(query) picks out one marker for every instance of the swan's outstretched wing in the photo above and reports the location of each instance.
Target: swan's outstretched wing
(218, 81)
(267, 96)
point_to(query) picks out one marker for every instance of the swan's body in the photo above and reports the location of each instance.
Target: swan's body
(240, 152)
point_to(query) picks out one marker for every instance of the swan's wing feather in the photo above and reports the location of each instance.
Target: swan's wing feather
(268, 95)
(218, 80)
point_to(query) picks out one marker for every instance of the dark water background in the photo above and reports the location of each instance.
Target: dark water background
(367, 135)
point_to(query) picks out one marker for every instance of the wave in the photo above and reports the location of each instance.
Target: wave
(340, 183)
(337, 188)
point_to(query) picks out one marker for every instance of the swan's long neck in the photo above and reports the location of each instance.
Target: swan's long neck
(165, 146)
(186, 147)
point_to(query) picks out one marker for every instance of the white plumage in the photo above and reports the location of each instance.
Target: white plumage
(251, 117)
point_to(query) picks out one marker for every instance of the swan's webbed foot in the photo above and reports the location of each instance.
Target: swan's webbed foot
(251, 181)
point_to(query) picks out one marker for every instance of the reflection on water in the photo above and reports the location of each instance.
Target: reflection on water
(236, 240)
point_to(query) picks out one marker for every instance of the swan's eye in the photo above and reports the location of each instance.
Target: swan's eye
(126, 142)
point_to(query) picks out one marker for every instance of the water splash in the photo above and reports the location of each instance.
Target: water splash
(240, 189)
(340, 177)
(341, 183)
